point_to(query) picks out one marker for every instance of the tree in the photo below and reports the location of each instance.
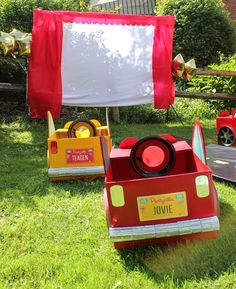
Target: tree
(203, 29)
(19, 13)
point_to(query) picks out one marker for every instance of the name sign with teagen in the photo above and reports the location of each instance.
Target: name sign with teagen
(80, 155)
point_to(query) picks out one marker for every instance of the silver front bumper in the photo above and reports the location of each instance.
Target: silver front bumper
(164, 230)
(75, 171)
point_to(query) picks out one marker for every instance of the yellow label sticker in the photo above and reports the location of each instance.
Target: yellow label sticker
(165, 206)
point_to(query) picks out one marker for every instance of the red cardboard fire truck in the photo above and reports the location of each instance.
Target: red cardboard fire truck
(159, 189)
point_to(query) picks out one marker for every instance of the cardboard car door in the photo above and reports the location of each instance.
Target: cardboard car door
(105, 154)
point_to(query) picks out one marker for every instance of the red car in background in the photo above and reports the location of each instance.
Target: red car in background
(221, 157)
(226, 128)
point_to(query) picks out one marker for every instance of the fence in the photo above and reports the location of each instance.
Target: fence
(17, 88)
(144, 7)
(209, 96)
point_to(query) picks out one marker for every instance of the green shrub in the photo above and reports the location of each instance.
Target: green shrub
(203, 29)
(18, 13)
(219, 84)
(186, 109)
(69, 113)
(190, 109)
(11, 70)
(128, 114)
(142, 114)
(225, 84)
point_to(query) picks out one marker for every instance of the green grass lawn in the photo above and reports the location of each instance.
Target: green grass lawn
(54, 234)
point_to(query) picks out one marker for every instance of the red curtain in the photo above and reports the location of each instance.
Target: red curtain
(44, 76)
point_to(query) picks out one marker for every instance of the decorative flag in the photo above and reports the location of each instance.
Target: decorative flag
(99, 59)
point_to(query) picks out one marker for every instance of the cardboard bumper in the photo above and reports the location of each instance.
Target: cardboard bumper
(164, 230)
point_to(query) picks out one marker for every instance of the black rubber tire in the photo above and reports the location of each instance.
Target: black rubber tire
(79, 123)
(153, 172)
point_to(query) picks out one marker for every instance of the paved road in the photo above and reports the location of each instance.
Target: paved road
(222, 161)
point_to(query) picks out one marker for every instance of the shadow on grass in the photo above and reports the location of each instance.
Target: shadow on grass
(23, 166)
(189, 260)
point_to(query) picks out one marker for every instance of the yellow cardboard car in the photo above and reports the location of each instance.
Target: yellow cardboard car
(75, 151)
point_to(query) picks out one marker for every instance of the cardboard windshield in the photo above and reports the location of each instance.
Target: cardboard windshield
(198, 143)
(105, 154)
